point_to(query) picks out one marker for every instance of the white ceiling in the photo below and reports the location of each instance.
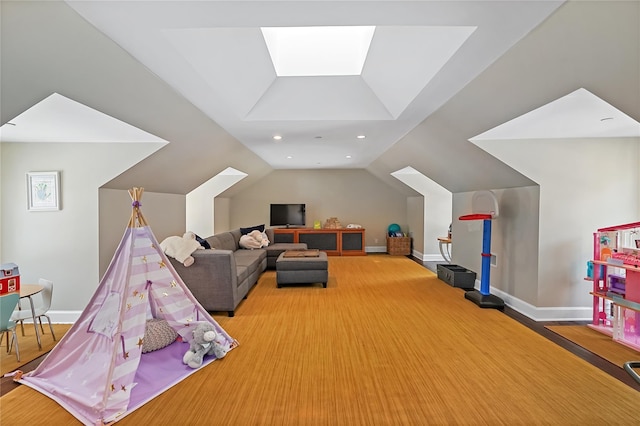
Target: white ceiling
(580, 114)
(213, 53)
(60, 119)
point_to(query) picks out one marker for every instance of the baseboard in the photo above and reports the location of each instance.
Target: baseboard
(64, 317)
(375, 249)
(415, 253)
(555, 313)
(433, 258)
(428, 257)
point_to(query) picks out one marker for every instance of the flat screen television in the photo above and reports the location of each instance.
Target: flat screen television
(288, 215)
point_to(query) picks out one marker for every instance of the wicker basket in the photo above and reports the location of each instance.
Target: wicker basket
(399, 246)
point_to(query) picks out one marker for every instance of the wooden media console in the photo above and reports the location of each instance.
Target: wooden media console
(334, 242)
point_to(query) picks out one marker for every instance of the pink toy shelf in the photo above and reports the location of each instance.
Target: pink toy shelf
(616, 283)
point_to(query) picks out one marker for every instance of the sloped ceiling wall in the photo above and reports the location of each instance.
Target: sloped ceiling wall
(46, 48)
(595, 45)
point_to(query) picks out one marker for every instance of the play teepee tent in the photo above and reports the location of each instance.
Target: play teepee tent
(98, 371)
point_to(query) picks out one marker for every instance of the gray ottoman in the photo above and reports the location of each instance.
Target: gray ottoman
(302, 270)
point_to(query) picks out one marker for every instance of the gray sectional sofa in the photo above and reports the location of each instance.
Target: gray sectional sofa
(221, 277)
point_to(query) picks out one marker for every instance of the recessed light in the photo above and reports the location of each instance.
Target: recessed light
(317, 137)
(606, 118)
(361, 136)
(277, 137)
(289, 157)
(348, 156)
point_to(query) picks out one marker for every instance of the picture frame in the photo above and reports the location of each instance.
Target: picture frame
(43, 191)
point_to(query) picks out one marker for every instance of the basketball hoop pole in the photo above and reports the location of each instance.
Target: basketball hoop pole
(484, 298)
(486, 257)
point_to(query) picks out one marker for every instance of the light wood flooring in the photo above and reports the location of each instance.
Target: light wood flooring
(386, 343)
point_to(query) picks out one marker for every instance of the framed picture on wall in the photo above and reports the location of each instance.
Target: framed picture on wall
(43, 191)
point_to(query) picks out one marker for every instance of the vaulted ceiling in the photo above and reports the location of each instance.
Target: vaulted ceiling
(199, 75)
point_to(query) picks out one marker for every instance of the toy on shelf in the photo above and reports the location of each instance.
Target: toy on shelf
(332, 223)
(485, 207)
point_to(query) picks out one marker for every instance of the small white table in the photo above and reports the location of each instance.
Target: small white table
(444, 244)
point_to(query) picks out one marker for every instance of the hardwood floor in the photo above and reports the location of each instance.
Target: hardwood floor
(386, 343)
(593, 359)
(539, 327)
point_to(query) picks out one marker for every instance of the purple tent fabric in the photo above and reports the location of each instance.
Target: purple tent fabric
(98, 371)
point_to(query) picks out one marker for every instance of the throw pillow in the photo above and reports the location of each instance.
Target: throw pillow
(157, 335)
(245, 231)
(204, 243)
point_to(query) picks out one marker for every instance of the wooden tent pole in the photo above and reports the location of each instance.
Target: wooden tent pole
(137, 219)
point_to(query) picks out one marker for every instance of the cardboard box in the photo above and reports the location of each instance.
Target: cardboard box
(9, 278)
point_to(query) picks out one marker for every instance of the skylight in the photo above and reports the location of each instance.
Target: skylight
(318, 51)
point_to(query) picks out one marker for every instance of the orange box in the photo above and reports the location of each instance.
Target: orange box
(9, 278)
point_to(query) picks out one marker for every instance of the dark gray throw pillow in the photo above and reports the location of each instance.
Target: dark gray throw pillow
(245, 231)
(204, 243)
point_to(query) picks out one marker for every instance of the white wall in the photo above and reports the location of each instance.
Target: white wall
(200, 201)
(221, 219)
(199, 205)
(585, 184)
(436, 211)
(60, 245)
(437, 217)
(353, 196)
(514, 242)
(416, 219)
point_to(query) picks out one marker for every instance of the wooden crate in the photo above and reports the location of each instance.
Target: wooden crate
(399, 246)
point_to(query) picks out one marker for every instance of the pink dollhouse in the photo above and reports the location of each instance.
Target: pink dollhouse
(616, 283)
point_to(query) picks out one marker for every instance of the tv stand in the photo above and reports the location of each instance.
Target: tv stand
(335, 242)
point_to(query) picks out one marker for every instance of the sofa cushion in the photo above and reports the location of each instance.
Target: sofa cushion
(252, 259)
(270, 234)
(235, 233)
(243, 273)
(223, 241)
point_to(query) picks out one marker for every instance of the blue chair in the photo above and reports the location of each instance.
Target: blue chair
(7, 305)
